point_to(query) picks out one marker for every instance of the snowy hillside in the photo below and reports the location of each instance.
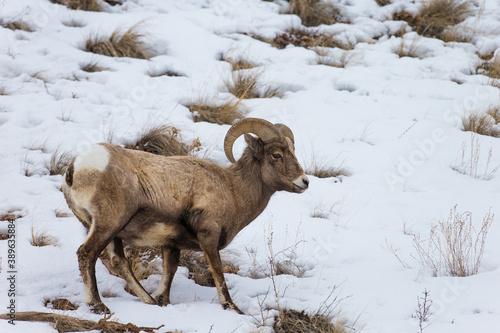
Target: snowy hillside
(370, 98)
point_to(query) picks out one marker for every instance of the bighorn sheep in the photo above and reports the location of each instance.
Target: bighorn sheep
(141, 199)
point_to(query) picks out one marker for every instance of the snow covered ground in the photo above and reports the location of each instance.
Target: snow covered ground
(394, 123)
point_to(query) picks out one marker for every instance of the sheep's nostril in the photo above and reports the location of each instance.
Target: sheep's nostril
(305, 181)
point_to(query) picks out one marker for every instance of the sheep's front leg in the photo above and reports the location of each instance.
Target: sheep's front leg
(170, 263)
(209, 241)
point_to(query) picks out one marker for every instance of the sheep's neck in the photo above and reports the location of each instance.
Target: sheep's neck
(251, 195)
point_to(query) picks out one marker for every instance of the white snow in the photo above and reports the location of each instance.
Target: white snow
(394, 123)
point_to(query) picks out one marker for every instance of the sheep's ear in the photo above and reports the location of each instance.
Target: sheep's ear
(255, 144)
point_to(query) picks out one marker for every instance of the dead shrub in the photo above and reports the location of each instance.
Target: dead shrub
(454, 246)
(481, 123)
(315, 12)
(58, 162)
(87, 5)
(225, 113)
(163, 140)
(435, 16)
(121, 43)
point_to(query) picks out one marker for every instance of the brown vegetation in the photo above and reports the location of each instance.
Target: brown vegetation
(225, 113)
(315, 12)
(121, 43)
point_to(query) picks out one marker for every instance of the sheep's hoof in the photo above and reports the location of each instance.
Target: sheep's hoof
(99, 308)
(232, 306)
(162, 300)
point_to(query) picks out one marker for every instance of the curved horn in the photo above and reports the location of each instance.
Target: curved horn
(285, 131)
(260, 127)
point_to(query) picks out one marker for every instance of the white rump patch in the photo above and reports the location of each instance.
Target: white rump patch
(96, 157)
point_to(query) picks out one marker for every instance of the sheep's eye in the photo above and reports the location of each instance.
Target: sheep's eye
(276, 156)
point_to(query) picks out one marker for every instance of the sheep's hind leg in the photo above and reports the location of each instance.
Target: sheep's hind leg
(170, 263)
(121, 264)
(87, 256)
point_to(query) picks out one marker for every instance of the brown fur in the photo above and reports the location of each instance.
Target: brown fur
(176, 203)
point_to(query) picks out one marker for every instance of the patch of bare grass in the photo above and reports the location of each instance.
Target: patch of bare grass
(293, 321)
(435, 16)
(60, 304)
(121, 43)
(383, 3)
(458, 34)
(315, 12)
(87, 5)
(454, 246)
(41, 238)
(224, 113)
(482, 123)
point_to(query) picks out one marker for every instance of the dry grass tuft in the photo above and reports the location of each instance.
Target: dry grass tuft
(120, 44)
(324, 170)
(16, 25)
(490, 68)
(383, 3)
(198, 268)
(40, 238)
(141, 261)
(58, 162)
(307, 38)
(243, 84)
(454, 246)
(236, 63)
(292, 321)
(315, 12)
(225, 113)
(324, 58)
(163, 140)
(60, 304)
(408, 48)
(435, 16)
(92, 66)
(482, 123)
(471, 158)
(88, 5)
(494, 111)
(164, 72)
(11, 215)
(458, 34)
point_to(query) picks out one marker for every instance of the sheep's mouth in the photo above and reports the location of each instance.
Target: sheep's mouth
(298, 189)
